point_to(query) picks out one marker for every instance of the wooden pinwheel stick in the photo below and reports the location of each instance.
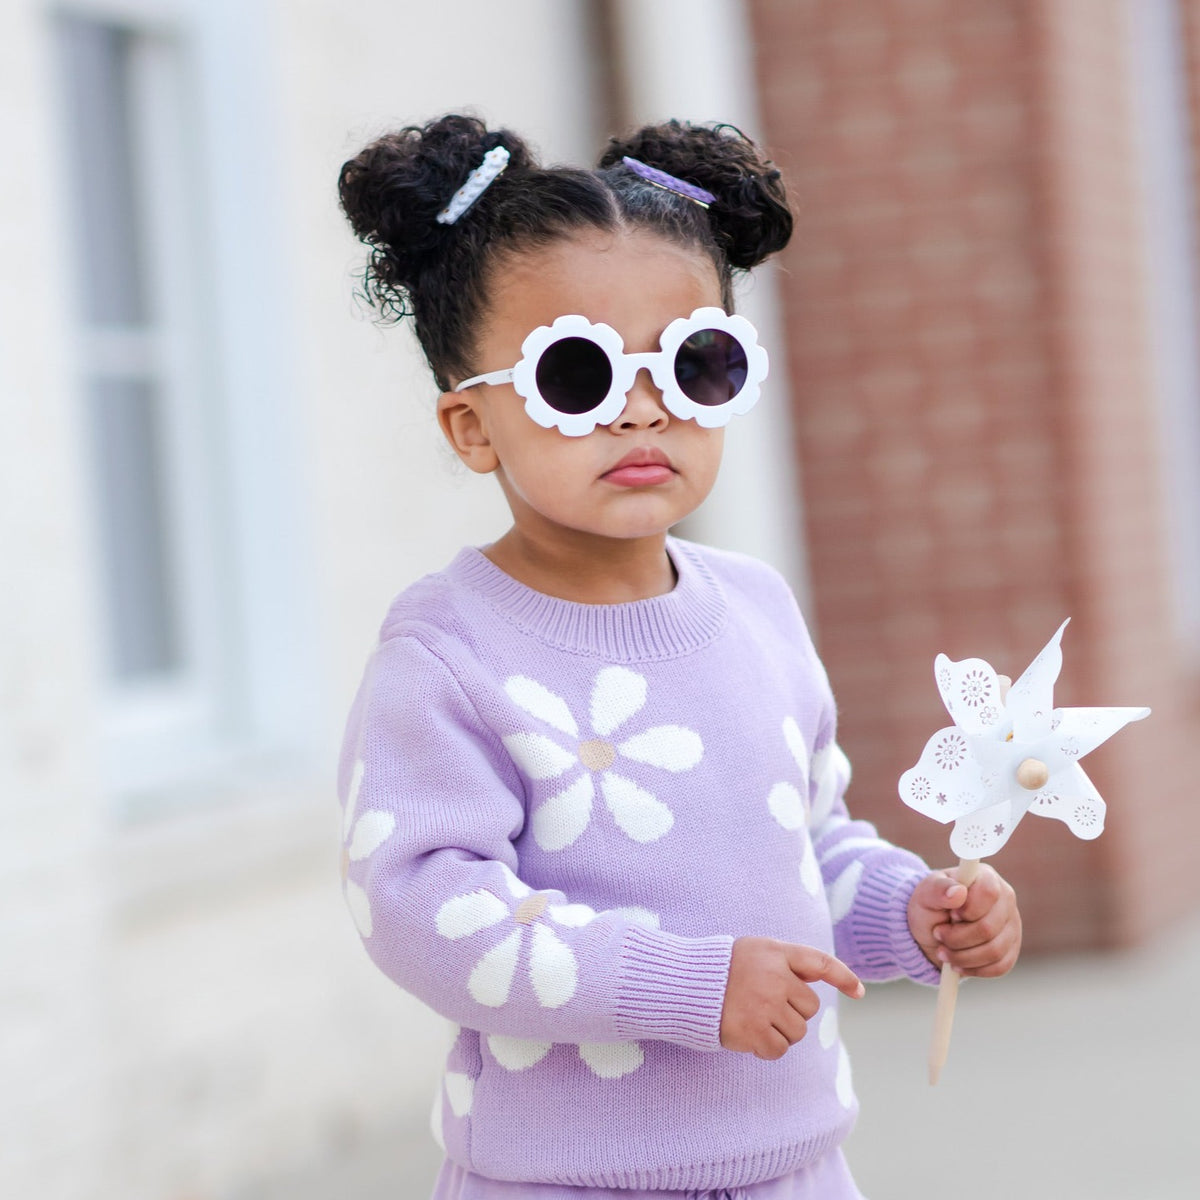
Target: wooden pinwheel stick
(1032, 774)
(943, 1020)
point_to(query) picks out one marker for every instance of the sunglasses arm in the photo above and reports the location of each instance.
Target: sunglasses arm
(490, 377)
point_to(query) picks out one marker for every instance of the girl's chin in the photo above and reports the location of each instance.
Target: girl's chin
(620, 516)
(616, 531)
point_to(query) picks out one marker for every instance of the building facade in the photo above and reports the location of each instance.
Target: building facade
(984, 417)
(991, 314)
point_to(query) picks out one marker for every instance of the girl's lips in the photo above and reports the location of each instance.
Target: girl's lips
(639, 476)
(643, 467)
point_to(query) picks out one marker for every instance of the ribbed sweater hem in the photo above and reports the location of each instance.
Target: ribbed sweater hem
(740, 1170)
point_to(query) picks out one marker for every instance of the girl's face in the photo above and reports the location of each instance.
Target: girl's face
(634, 478)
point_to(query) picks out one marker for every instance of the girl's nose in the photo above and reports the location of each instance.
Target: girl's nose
(644, 407)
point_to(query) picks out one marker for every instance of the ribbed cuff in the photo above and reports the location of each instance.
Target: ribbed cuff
(672, 988)
(883, 943)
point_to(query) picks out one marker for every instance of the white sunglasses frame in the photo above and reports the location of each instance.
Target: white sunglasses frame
(660, 363)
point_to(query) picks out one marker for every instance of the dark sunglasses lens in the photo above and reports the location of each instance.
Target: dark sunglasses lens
(710, 367)
(574, 375)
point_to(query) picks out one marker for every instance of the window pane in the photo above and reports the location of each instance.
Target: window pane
(143, 638)
(95, 62)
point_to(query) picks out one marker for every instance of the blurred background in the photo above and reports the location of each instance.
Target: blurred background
(216, 470)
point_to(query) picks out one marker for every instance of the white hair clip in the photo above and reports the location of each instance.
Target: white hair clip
(479, 180)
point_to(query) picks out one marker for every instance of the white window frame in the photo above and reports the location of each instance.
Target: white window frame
(244, 701)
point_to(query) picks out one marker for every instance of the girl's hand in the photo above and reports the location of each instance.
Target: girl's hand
(977, 931)
(768, 1002)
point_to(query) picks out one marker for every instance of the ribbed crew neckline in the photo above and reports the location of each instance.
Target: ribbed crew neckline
(678, 622)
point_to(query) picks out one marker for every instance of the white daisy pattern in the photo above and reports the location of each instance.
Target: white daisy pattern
(362, 834)
(608, 1060)
(460, 1091)
(553, 972)
(827, 1034)
(826, 775)
(617, 696)
(832, 835)
(790, 808)
(436, 1123)
(457, 1089)
(455, 1095)
(830, 772)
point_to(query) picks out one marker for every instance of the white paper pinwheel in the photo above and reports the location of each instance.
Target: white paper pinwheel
(1006, 756)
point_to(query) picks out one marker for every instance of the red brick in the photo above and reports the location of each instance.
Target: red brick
(975, 410)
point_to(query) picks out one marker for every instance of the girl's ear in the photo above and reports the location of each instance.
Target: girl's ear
(463, 424)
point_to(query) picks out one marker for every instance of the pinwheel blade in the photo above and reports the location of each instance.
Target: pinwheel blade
(981, 833)
(1030, 702)
(1078, 731)
(1071, 797)
(970, 690)
(947, 780)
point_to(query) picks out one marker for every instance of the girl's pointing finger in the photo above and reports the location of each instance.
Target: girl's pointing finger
(816, 965)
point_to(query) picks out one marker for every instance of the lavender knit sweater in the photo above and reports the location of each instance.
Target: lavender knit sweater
(557, 819)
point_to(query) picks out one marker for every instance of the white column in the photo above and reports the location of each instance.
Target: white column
(1168, 211)
(694, 60)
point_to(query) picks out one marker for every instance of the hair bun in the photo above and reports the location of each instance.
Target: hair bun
(393, 190)
(750, 216)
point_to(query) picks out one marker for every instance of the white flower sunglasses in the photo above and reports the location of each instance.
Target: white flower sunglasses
(575, 375)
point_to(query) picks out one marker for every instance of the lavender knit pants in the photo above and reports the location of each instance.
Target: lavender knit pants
(826, 1179)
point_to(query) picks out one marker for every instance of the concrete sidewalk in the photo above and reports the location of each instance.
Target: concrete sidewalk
(1073, 1079)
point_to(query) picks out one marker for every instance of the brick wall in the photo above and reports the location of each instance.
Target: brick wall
(976, 420)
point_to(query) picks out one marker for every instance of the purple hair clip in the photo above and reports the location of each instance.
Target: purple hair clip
(661, 179)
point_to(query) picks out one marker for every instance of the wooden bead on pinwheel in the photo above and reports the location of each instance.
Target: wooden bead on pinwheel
(1033, 774)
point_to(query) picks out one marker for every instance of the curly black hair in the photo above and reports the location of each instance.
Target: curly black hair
(392, 191)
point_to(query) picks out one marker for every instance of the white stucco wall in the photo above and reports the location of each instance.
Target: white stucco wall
(390, 503)
(50, 1043)
(184, 1008)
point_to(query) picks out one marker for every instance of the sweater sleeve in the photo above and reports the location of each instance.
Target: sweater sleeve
(868, 881)
(432, 804)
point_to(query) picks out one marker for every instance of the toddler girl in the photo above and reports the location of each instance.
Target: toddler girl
(593, 801)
